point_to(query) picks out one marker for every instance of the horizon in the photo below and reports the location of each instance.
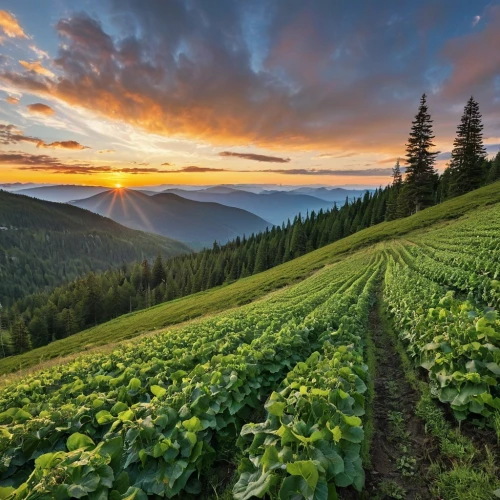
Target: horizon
(192, 94)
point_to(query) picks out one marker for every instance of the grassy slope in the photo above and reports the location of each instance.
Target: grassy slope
(251, 288)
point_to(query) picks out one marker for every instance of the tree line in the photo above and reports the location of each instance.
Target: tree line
(43, 317)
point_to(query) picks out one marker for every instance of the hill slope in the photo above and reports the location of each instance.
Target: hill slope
(276, 207)
(44, 243)
(174, 216)
(251, 288)
(62, 193)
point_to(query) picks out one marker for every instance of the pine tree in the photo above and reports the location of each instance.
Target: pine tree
(468, 154)
(392, 202)
(158, 274)
(20, 336)
(421, 177)
(494, 172)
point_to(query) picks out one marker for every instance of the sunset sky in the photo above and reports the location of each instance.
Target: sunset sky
(260, 91)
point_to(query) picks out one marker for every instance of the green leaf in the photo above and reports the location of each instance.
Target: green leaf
(79, 441)
(193, 424)
(158, 391)
(305, 468)
(251, 485)
(270, 459)
(104, 417)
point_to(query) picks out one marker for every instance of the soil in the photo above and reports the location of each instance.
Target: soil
(394, 397)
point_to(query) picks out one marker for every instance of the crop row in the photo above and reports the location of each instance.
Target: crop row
(154, 411)
(456, 341)
(309, 443)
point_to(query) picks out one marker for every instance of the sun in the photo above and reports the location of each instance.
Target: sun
(118, 186)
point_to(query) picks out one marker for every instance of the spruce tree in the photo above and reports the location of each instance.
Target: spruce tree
(158, 274)
(421, 176)
(392, 202)
(468, 154)
(20, 336)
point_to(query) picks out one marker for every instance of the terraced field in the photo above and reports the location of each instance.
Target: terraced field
(286, 397)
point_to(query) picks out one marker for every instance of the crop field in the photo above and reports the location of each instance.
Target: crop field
(279, 398)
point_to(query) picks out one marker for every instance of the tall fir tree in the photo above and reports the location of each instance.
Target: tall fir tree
(421, 177)
(468, 154)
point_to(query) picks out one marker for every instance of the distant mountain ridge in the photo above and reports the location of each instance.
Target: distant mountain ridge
(276, 207)
(178, 217)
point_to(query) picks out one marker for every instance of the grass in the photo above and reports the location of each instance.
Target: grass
(247, 289)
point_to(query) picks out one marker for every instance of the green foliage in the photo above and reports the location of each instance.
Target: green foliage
(148, 415)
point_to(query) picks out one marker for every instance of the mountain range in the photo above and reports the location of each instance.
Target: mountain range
(190, 221)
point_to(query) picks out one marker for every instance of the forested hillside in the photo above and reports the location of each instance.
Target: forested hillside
(44, 244)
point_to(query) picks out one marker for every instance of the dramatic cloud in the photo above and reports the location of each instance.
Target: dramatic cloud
(36, 67)
(255, 157)
(39, 108)
(12, 100)
(10, 26)
(9, 134)
(323, 76)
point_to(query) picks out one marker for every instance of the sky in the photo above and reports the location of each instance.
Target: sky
(108, 92)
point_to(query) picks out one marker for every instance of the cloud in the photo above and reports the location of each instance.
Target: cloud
(475, 61)
(39, 52)
(336, 155)
(40, 108)
(255, 157)
(166, 164)
(196, 170)
(292, 171)
(50, 164)
(476, 20)
(36, 67)
(154, 73)
(368, 172)
(282, 76)
(10, 26)
(10, 134)
(105, 151)
(12, 100)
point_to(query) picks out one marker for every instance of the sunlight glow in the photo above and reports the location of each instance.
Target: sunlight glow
(118, 186)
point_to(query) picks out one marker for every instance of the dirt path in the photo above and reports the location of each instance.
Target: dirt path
(399, 439)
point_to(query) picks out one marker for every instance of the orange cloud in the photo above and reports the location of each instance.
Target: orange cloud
(37, 67)
(50, 164)
(10, 25)
(40, 108)
(12, 100)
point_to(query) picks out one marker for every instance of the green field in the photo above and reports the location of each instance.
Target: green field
(285, 396)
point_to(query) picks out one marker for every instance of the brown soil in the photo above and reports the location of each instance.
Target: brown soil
(394, 399)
